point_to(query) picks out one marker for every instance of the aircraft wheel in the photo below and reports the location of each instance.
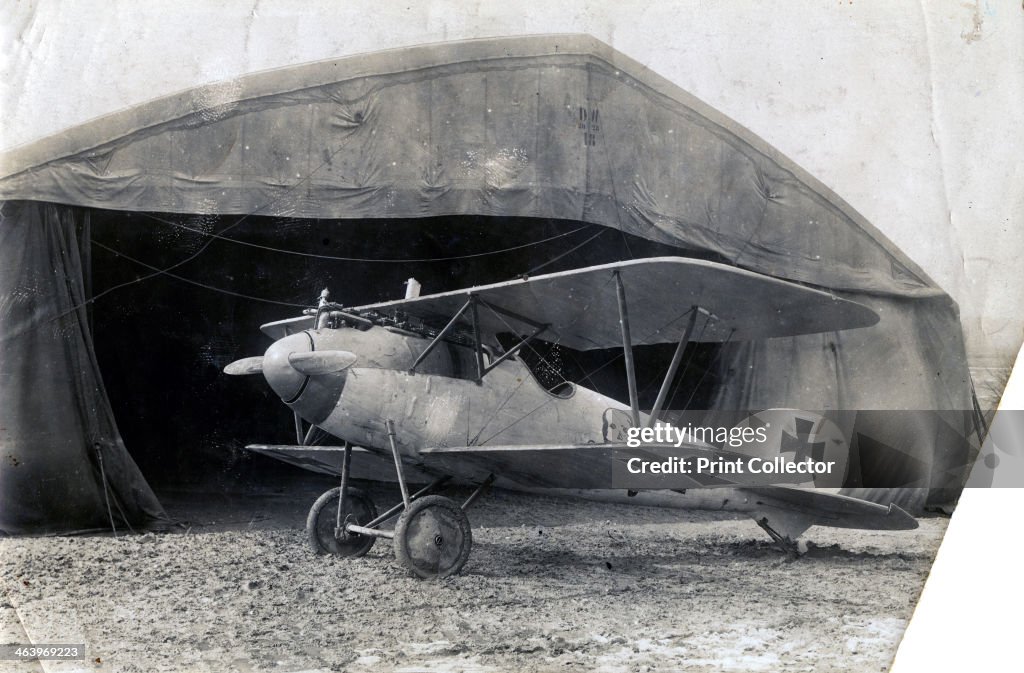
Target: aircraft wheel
(433, 537)
(320, 523)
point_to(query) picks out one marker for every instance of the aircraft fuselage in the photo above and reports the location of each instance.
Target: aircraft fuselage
(440, 404)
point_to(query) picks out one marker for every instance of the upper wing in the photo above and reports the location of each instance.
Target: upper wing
(581, 311)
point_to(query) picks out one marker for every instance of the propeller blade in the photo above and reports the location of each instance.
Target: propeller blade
(322, 362)
(245, 366)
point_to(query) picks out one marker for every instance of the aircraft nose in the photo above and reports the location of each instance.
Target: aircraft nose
(286, 381)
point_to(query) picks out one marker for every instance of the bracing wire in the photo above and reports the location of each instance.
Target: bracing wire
(643, 337)
(711, 364)
(686, 367)
(395, 260)
(585, 375)
(567, 252)
(164, 272)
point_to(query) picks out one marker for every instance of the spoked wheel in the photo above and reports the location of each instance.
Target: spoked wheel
(322, 519)
(433, 538)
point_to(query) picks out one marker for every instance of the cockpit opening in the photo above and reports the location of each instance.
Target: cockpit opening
(547, 363)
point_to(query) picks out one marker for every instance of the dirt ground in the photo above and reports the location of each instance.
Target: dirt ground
(552, 585)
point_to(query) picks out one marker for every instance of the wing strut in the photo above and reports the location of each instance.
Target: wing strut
(441, 335)
(477, 345)
(627, 349)
(471, 305)
(673, 366)
(299, 434)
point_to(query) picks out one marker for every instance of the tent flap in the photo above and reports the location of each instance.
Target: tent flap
(62, 459)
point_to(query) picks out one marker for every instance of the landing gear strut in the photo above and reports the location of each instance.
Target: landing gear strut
(432, 537)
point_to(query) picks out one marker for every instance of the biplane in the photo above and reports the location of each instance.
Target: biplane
(436, 388)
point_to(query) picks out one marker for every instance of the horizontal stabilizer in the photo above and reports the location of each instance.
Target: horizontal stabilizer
(824, 508)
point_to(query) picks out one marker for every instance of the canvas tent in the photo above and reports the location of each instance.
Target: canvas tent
(558, 127)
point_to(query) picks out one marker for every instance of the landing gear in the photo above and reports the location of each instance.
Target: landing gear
(321, 524)
(432, 536)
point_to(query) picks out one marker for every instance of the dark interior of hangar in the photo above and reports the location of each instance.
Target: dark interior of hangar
(162, 339)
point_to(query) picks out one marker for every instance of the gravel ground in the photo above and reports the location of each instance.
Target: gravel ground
(552, 585)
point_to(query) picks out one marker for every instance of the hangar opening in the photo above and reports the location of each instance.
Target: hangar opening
(436, 151)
